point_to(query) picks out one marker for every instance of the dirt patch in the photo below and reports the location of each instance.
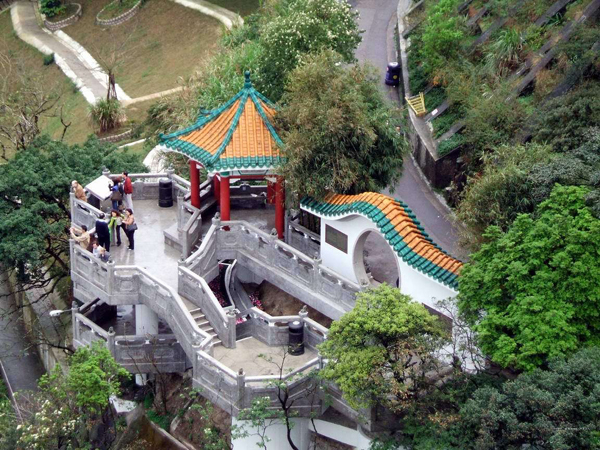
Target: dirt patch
(324, 443)
(201, 422)
(279, 303)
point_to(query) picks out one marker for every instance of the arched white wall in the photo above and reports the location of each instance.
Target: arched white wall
(419, 286)
(358, 260)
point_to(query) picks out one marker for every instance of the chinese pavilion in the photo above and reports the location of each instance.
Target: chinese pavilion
(236, 140)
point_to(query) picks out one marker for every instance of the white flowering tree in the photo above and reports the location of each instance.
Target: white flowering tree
(69, 406)
(306, 27)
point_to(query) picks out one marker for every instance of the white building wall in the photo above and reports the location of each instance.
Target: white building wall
(419, 286)
(301, 435)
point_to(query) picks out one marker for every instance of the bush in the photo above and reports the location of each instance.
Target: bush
(49, 59)
(562, 122)
(442, 36)
(51, 8)
(106, 114)
(502, 192)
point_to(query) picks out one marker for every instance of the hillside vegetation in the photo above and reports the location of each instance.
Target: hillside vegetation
(516, 85)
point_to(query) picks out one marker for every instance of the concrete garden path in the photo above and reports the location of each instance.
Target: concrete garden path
(25, 23)
(378, 19)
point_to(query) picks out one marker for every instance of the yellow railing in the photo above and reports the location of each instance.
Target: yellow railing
(417, 103)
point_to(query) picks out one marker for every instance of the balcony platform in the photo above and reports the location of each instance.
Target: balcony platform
(153, 254)
(254, 357)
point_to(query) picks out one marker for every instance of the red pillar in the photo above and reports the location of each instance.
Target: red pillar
(224, 203)
(195, 184)
(217, 187)
(279, 207)
(270, 192)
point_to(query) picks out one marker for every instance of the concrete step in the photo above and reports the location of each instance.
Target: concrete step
(217, 342)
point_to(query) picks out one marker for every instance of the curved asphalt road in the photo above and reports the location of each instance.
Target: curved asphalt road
(378, 19)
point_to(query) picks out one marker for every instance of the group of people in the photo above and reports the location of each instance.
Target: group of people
(106, 231)
(121, 191)
(121, 218)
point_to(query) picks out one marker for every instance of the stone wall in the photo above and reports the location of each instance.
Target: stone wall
(440, 171)
(54, 26)
(117, 137)
(119, 19)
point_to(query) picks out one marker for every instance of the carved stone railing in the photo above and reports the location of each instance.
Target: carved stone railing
(233, 391)
(273, 330)
(279, 263)
(85, 331)
(156, 354)
(195, 289)
(138, 354)
(132, 285)
(82, 213)
(303, 239)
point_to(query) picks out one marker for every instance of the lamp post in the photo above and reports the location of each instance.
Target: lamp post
(58, 312)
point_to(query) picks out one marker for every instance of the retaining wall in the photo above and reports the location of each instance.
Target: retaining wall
(119, 19)
(54, 26)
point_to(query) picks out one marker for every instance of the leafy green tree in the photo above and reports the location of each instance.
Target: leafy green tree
(305, 27)
(533, 292)
(554, 409)
(338, 132)
(383, 350)
(502, 191)
(578, 167)
(34, 204)
(562, 121)
(69, 405)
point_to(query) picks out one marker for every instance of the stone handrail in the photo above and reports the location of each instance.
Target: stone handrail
(181, 181)
(133, 285)
(313, 363)
(302, 238)
(82, 213)
(273, 330)
(189, 226)
(281, 262)
(195, 289)
(138, 354)
(81, 336)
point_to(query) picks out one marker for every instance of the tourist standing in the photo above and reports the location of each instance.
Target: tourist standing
(84, 237)
(127, 191)
(114, 225)
(116, 194)
(79, 191)
(103, 232)
(130, 227)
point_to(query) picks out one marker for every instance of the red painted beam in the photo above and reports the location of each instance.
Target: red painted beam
(195, 184)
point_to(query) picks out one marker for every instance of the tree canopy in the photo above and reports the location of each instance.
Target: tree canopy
(339, 134)
(382, 350)
(554, 409)
(69, 405)
(533, 292)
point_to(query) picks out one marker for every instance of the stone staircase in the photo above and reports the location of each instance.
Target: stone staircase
(203, 322)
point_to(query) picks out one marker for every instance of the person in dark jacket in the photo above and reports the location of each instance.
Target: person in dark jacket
(116, 194)
(103, 232)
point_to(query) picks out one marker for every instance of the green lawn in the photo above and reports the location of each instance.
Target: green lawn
(74, 104)
(163, 42)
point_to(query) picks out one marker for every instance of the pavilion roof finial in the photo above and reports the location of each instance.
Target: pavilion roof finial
(247, 82)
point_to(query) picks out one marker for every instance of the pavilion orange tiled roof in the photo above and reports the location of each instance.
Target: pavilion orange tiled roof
(399, 226)
(235, 137)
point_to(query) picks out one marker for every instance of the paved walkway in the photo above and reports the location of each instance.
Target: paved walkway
(25, 24)
(378, 19)
(19, 362)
